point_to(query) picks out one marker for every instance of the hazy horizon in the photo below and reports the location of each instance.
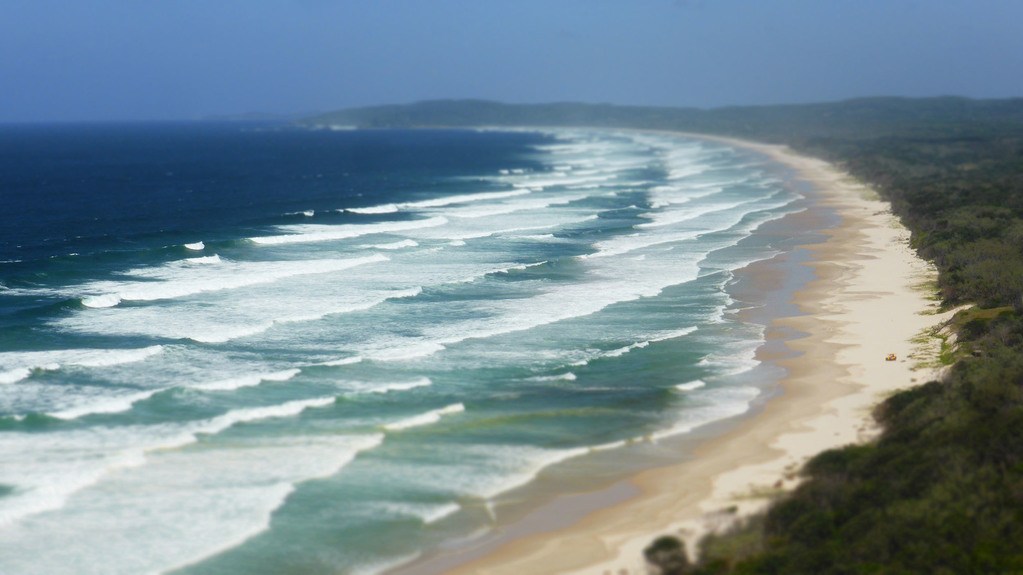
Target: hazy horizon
(119, 61)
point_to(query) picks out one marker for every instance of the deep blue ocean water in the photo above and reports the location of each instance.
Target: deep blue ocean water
(262, 349)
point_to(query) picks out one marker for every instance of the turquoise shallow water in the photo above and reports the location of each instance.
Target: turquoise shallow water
(330, 352)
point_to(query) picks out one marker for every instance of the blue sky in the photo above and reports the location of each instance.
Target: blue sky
(184, 59)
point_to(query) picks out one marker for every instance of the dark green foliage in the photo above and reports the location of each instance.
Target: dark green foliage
(721, 552)
(941, 491)
(963, 200)
(668, 554)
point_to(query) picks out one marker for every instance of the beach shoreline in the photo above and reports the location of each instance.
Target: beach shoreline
(869, 296)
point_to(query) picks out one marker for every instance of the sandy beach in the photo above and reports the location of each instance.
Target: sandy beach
(870, 296)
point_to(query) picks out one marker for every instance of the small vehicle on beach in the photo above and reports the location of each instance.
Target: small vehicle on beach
(890, 357)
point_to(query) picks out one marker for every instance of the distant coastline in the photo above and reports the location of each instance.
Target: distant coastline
(946, 167)
(869, 297)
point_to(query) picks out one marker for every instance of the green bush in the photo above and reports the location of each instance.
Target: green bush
(668, 554)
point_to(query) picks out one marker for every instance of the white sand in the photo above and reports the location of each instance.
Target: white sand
(870, 298)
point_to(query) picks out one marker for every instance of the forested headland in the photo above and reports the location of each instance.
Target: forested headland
(941, 489)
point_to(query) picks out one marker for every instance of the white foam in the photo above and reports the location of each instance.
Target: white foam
(209, 500)
(674, 334)
(214, 259)
(43, 481)
(718, 404)
(679, 216)
(575, 183)
(438, 202)
(251, 311)
(22, 362)
(405, 351)
(325, 233)
(107, 358)
(612, 445)
(681, 194)
(610, 282)
(482, 471)
(462, 199)
(14, 375)
(518, 267)
(425, 418)
(425, 512)
(688, 170)
(405, 293)
(624, 350)
(537, 461)
(247, 380)
(225, 333)
(665, 235)
(181, 279)
(398, 386)
(602, 286)
(289, 409)
(196, 246)
(392, 246)
(106, 405)
(101, 301)
(504, 208)
(343, 361)
(228, 491)
(54, 466)
(691, 385)
(567, 376)
(741, 361)
(470, 234)
(308, 213)
(642, 344)
(382, 209)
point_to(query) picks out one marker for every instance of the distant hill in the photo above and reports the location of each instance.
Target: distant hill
(793, 124)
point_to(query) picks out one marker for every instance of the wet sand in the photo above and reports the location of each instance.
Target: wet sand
(865, 294)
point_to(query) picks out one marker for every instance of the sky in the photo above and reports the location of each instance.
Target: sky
(128, 60)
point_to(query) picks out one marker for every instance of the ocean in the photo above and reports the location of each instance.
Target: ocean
(241, 349)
